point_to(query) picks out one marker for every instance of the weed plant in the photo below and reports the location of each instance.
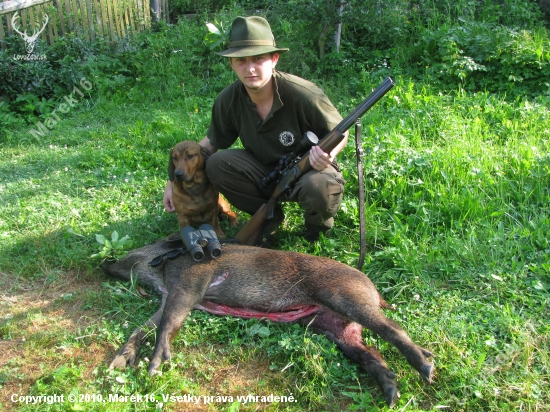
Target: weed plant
(458, 228)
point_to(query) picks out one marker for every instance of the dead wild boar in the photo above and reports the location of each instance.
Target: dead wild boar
(245, 281)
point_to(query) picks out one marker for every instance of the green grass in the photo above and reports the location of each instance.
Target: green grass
(458, 229)
(457, 238)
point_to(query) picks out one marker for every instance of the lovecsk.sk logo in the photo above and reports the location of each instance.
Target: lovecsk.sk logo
(29, 40)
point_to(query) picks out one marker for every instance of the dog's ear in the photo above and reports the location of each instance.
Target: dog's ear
(171, 167)
(205, 153)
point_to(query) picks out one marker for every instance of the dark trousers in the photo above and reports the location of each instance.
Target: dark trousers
(237, 174)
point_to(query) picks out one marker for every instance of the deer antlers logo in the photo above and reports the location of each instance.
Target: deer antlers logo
(30, 40)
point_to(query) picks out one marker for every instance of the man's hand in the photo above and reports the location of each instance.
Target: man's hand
(318, 159)
(167, 200)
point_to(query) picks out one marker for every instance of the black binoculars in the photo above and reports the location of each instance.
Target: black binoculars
(197, 241)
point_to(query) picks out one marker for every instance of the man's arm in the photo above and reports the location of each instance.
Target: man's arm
(320, 160)
(167, 199)
(205, 142)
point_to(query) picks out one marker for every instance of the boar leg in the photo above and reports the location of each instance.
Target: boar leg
(169, 327)
(372, 318)
(366, 311)
(347, 335)
(391, 332)
(185, 291)
(129, 352)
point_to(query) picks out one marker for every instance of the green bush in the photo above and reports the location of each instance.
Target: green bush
(482, 56)
(31, 87)
(496, 46)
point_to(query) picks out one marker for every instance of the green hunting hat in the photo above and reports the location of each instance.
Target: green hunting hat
(250, 36)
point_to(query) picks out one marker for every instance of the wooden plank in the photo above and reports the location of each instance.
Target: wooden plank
(132, 15)
(83, 18)
(67, 12)
(104, 21)
(147, 11)
(120, 8)
(40, 22)
(118, 22)
(76, 17)
(30, 12)
(111, 20)
(90, 18)
(2, 34)
(53, 24)
(139, 14)
(50, 25)
(23, 18)
(14, 5)
(97, 16)
(61, 15)
(127, 19)
(8, 23)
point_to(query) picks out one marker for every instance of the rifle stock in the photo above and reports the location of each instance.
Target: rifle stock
(251, 230)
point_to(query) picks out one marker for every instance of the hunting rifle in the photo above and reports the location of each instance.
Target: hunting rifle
(250, 231)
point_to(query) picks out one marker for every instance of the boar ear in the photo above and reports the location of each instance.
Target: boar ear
(171, 168)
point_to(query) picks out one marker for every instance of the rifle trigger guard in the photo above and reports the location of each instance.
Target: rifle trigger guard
(286, 184)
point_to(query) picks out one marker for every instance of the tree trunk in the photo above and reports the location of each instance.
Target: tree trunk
(338, 32)
(155, 10)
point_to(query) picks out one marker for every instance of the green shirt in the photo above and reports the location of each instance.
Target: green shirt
(299, 106)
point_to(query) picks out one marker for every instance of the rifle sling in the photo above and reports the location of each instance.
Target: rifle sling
(362, 223)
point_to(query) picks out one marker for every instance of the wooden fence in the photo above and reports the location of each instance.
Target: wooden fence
(109, 19)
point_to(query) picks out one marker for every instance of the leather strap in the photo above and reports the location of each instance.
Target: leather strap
(362, 224)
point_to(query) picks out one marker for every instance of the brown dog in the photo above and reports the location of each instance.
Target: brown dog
(195, 199)
(246, 281)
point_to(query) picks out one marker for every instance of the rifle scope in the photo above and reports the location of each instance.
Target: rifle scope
(309, 139)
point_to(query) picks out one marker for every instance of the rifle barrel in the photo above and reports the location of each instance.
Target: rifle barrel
(365, 105)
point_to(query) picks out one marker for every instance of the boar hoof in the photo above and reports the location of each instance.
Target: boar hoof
(154, 372)
(391, 395)
(154, 366)
(126, 356)
(426, 372)
(389, 387)
(119, 362)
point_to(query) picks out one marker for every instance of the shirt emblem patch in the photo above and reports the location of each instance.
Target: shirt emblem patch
(286, 138)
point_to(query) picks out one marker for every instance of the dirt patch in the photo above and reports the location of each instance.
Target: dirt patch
(34, 317)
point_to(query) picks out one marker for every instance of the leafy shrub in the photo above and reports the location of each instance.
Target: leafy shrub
(180, 7)
(482, 56)
(495, 45)
(32, 86)
(498, 46)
